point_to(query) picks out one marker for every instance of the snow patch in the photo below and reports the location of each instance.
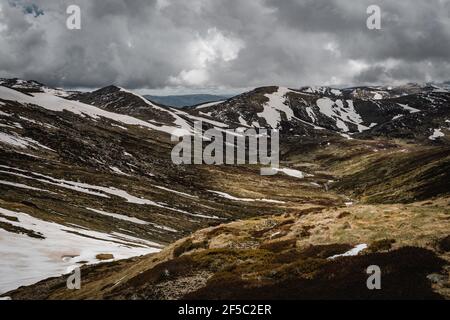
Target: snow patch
(230, 197)
(5, 114)
(177, 192)
(274, 107)
(436, 134)
(341, 114)
(209, 104)
(21, 142)
(242, 121)
(353, 252)
(99, 191)
(291, 172)
(118, 171)
(27, 260)
(377, 96)
(410, 109)
(119, 216)
(58, 104)
(22, 186)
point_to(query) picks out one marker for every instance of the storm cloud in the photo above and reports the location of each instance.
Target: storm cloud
(224, 44)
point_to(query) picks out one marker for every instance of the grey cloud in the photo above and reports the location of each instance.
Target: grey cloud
(231, 44)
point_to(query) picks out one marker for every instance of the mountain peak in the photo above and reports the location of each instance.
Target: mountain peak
(23, 85)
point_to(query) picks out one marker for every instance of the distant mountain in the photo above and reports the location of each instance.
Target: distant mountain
(411, 111)
(180, 101)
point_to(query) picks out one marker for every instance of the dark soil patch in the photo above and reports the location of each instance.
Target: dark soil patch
(343, 214)
(381, 245)
(325, 251)
(444, 244)
(11, 228)
(164, 271)
(187, 246)
(279, 246)
(403, 276)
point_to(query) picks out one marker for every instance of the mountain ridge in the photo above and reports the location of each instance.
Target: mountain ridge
(95, 168)
(187, 100)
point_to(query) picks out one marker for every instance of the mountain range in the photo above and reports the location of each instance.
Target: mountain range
(188, 100)
(87, 180)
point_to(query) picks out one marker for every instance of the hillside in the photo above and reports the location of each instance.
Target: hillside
(188, 100)
(361, 166)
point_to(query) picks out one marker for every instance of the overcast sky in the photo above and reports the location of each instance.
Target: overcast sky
(184, 46)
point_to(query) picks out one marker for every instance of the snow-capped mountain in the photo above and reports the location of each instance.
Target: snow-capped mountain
(119, 100)
(353, 111)
(100, 175)
(87, 177)
(186, 101)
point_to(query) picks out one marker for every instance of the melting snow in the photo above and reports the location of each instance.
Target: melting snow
(336, 92)
(346, 136)
(275, 106)
(183, 127)
(230, 197)
(209, 104)
(341, 114)
(119, 216)
(410, 109)
(15, 125)
(353, 252)
(5, 114)
(54, 103)
(177, 192)
(213, 122)
(377, 96)
(242, 121)
(132, 219)
(436, 134)
(311, 114)
(20, 185)
(291, 172)
(21, 142)
(27, 260)
(117, 126)
(99, 191)
(118, 171)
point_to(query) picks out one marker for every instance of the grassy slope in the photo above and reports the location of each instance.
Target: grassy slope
(273, 256)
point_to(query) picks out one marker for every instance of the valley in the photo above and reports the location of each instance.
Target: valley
(86, 179)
